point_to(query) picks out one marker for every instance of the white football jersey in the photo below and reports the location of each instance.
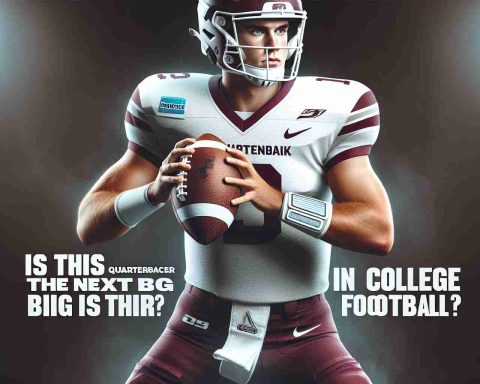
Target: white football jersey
(309, 126)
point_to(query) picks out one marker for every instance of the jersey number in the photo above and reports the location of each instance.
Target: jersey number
(238, 233)
(346, 82)
(175, 76)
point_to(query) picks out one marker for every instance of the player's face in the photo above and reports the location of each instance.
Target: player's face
(264, 33)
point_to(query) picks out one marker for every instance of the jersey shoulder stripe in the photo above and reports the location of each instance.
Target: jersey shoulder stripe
(137, 122)
(363, 150)
(145, 153)
(360, 127)
(366, 100)
(368, 122)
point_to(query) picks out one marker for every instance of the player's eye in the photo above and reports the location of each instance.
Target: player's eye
(256, 32)
(282, 30)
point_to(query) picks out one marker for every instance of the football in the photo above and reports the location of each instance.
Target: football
(202, 202)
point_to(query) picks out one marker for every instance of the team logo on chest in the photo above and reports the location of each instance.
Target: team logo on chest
(311, 113)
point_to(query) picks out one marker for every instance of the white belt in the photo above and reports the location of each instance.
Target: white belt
(239, 355)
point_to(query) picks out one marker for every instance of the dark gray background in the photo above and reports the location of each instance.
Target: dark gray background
(67, 70)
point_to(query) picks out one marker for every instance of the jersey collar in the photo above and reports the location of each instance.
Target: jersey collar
(229, 113)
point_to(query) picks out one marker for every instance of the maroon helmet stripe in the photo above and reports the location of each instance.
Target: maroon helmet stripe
(248, 5)
(365, 123)
(230, 114)
(145, 153)
(366, 100)
(349, 153)
(136, 122)
(136, 98)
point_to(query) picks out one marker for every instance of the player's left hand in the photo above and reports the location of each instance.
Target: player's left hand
(257, 191)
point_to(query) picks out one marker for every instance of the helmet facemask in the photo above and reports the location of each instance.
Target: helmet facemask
(231, 55)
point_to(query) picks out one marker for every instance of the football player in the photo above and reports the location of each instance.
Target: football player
(253, 309)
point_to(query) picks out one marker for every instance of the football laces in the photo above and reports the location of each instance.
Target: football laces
(181, 189)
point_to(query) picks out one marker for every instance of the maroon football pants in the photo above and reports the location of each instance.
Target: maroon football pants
(301, 345)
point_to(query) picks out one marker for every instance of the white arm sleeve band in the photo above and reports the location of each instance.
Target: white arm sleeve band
(307, 214)
(133, 206)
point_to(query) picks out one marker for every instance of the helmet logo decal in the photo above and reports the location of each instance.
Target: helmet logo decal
(279, 6)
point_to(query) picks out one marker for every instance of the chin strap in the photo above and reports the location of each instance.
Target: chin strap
(274, 75)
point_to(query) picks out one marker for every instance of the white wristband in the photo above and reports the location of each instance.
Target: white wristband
(133, 206)
(307, 214)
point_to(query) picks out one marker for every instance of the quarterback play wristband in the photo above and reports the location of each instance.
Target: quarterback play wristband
(132, 206)
(307, 214)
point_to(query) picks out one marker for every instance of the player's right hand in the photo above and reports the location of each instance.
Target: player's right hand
(159, 191)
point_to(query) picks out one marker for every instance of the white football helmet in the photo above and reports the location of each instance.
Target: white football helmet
(217, 20)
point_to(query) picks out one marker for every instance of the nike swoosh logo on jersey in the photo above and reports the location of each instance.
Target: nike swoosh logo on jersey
(289, 135)
(298, 334)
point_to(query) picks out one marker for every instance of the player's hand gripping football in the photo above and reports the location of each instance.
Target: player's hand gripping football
(256, 190)
(159, 191)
